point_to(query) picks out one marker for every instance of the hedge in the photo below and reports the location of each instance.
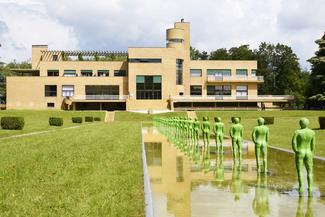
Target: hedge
(321, 121)
(77, 120)
(96, 118)
(89, 119)
(54, 121)
(268, 120)
(12, 123)
(233, 118)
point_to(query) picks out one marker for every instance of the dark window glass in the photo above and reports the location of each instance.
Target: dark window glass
(120, 73)
(102, 90)
(218, 90)
(50, 90)
(148, 87)
(52, 72)
(196, 90)
(179, 71)
(145, 60)
(102, 73)
(50, 104)
(87, 73)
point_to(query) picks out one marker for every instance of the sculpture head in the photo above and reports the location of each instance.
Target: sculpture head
(260, 121)
(304, 122)
(217, 119)
(196, 119)
(236, 120)
(205, 118)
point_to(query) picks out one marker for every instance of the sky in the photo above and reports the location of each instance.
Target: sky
(119, 24)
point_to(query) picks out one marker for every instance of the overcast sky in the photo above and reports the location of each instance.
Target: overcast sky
(117, 24)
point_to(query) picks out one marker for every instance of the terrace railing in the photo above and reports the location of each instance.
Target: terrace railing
(213, 78)
(233, 97)
(99, 97)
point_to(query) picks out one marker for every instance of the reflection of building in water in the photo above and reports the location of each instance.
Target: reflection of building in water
(261, 199)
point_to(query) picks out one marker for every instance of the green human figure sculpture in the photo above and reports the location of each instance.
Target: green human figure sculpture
(236, 133)
(303, 144)
(197, 125)
(219, 133)
(206, 134)
(261, 200)
(260, 137)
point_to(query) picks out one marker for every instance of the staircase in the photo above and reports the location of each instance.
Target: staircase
(109, 116)
(191, 114)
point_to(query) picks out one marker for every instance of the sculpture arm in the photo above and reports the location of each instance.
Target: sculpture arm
(313, 144)
(267, 136)
(230, 132)
(253, 135)
(294, 142)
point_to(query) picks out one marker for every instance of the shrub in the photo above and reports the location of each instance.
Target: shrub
(54, 121)
(268, 120)
(96, 118)
(77, 120)
(12, 123)
(321, 121)
(233, 118)
(89, 119)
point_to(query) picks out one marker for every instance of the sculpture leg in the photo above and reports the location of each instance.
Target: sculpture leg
(299, 164)
(264, 154)
(233, 143)
(257, 155)
(221, 143)
(239, 142)
(309, 167)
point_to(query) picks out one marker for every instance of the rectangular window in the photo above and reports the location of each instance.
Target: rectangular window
(144, 60)
(55, 57)
(224, 90)
(219, 72)
(87, 73)
(254, 72)
(69, 73)
(241, 90)
(196, 90)
(120, 73)
(52, 73)
(67, 90)
(102, 92)
(50, 90)
(148, 87)
(179, 71)
(50, 105)
(196, 72)
(241, 72)
(102, 73)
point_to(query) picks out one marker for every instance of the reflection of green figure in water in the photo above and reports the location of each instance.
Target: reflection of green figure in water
(260, 137)
(219, 171)
(300, 209)
(261, 199)
(206, 162)
(236, 134)
(219, 132)
(236, 182)
(206, 134)
(303, 144)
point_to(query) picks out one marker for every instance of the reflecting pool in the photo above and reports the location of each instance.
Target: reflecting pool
(217, 187)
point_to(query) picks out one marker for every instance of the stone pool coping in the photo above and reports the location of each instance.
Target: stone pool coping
(290, 151)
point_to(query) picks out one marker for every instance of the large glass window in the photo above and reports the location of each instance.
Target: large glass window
(196, 72)
(196, 90)
(254, 72)
(102, 73)
(119, 73)
(50, 90)
(67, 90)
(87, 73)
(179, 71)
(241, 90)
(52, 72)
(69, 73)
(148, 87)
(219, 72)
(219, 90)
(102, 90)
(241, 72)
(145, 60)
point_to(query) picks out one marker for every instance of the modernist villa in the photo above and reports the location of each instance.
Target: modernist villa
(141, 79)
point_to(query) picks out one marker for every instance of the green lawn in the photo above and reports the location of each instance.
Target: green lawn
(38, 120)
(94, 170)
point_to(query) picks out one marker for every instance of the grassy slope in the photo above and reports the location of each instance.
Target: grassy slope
(38, 120)
(94, 170)
(286, 122)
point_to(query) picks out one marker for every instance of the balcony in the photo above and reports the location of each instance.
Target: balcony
(99, 97)
(215, 78)
(260, 98)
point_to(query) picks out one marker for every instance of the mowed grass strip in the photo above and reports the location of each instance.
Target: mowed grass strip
(281, 132)
(94, 170)
(38, 120)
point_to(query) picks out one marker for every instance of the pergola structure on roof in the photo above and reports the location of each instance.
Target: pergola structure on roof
(85, 53)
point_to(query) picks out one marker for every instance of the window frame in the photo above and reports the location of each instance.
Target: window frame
(48, 93)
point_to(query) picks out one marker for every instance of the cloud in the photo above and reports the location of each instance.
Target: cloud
(118, 24)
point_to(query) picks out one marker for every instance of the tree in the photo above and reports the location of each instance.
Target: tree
(204, 55)
(194, 53)
(317, 77)
(220, 54)
(243, 52)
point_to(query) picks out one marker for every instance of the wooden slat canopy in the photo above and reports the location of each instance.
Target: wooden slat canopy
(86, 53)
